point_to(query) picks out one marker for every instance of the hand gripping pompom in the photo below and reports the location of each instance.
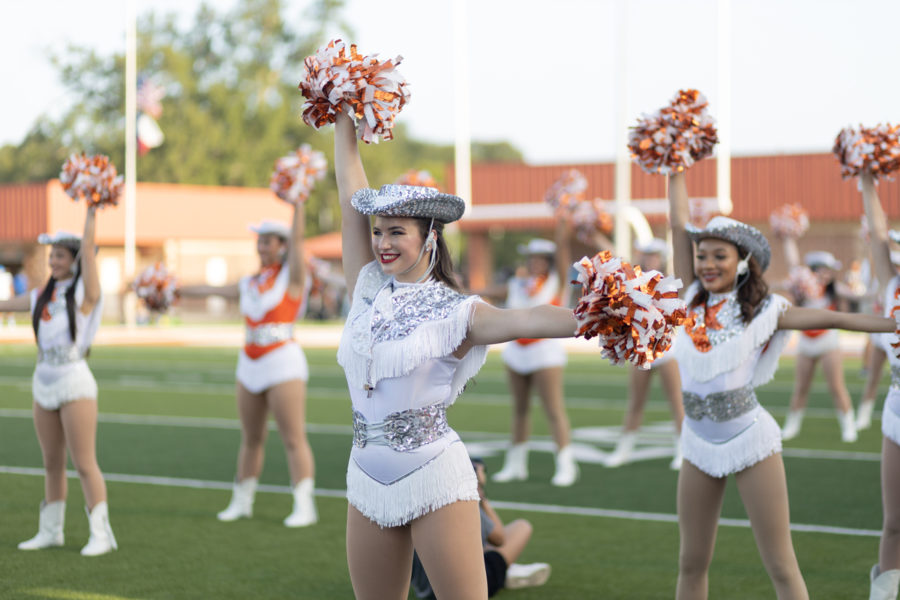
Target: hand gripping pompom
(295, 175)
(339, 79)
(675, 137)
(156, 287)
(420, 178)
(93, 178)
(789, 221)
(868, 149)
(633, 313)
(804, 284)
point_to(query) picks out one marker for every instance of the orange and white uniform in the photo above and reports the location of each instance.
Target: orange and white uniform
(270, 355)
(814, 343)
(525, 356)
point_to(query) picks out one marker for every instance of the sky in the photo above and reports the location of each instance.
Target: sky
(543, 74)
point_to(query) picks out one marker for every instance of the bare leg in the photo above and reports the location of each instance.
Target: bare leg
(448, 542)
(379, 559)
(699, 505)
(288, 402)
(638, 390)
(834, 375)
(520, 386)
(877, 358)
(549, 384)
(889, 548)
(79, 421)
(763, 489)
(803, 375)
(670, 377)
(252, 410)
(516, 535)
(49, 429)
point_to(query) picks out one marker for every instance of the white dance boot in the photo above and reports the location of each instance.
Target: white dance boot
(677, 457)
(624, 448)
(884, 585)
(792, 425)
(848, 426)
(515, 466)
(241, 505)
(304, 512)
(102, 539)
(530, 575)
(50, 527)
(864, 415)
(566, 468)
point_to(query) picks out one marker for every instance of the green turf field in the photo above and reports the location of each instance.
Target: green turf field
(168, 440)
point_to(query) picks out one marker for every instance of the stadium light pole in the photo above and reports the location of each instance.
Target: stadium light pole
(723, 152)
(130, 155)
(623, 158)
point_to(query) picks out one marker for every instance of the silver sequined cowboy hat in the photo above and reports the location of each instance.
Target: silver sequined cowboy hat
(394, 200)
(282, 230)
(820, 258)
(747, 238)
(537, 247)
(652, 246)
(61, 238)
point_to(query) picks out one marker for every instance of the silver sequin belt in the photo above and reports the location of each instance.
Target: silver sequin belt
(720, 406)
(895, 377)
(268, 334)
(59, 355)
(403, 431)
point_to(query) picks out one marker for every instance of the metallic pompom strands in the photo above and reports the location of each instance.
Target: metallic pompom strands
(568, 199)
(339, 79)
(93, 178)
(789, 220)
(156, 287)
(675, 137)
(804, 284)
(872, 149)
(567, 191)
(633, 313)
(590, 216)
(295, 175)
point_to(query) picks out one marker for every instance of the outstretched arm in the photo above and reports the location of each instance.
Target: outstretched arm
(89, 275)
(296, 263)
(814, 318)
(21, 303)
(679, 215)
(231, 291)
(491, 325)
(878, 232)
(355, 229)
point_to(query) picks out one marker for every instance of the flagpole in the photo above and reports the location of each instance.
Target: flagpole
(129, 306)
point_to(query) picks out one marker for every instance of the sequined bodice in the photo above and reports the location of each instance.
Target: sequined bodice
(717, 321)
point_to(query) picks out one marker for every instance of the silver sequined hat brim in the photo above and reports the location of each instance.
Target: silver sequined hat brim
(60, 238)
(747, 238)
(394, 200)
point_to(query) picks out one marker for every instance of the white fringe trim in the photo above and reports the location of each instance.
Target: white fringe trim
(759, 441)
(819, 345)
(890, 424)
(728, 356)
(256, 306)
(446, 479)
(76, 384)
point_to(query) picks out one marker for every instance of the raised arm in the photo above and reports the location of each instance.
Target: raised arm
(89, 275)
(791, 251)
(296, 263)
(814, 318)
(878, 232)
(356, 231)
(679, 215)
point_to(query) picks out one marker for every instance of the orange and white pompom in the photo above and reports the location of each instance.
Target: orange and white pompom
(156, 287)
(894, 313)
(340, 79)
(789, 221)
(633, 313)
(875, 150)
(93, 178)
(804, 284)
(589, 217)
(567, 191)
(420, 178)
(295, 175)
(675, 137)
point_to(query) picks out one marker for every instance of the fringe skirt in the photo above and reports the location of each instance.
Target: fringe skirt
(890, 424)
(759, 441)
(285, 363)
(445, 479)
(55, 385)
(543, 354)
(817, 346)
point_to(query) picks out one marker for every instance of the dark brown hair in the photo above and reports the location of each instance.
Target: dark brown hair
(443, 264)
(47, 293)
(752, 291)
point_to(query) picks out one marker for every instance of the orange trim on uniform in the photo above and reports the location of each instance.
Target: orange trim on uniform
(528, 341)
(814, 333)
(285, 311)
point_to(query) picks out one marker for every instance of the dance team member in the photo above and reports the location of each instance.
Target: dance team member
(537, 363)
(651, 257)
(65, 316)
(272, 370)
(729, 347)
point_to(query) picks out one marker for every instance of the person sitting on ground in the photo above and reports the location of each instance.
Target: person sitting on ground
(503, 544)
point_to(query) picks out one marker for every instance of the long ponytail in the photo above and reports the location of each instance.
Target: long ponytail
(47, 293)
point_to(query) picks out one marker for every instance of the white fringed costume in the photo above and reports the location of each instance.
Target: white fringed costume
(818, 342)
(527, 356)
(397, 352)
(721, 360)
(890, 416)
(62, 374)
(270, 355)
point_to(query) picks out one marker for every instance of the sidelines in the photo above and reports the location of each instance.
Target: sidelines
(322, 428)
(580, 511)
